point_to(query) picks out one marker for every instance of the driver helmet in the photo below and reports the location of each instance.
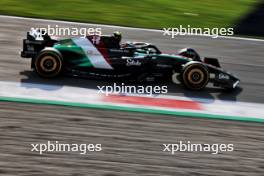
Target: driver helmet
(118, 36)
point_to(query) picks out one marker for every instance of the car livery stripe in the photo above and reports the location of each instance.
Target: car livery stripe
(92, 53)
(80, 59)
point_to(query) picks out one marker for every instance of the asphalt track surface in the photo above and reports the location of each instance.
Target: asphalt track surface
(132, 142)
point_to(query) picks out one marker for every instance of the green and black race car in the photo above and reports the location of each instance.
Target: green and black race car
(103, 56)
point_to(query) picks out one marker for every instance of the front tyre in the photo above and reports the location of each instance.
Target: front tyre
(195, 76)
(48, 64)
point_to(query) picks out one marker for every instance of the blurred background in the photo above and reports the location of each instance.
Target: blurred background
(246, 16)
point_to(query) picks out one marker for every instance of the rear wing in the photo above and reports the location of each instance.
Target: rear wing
(36, 41)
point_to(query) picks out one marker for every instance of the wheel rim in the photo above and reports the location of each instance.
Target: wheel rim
(196, 76)
(48, 64)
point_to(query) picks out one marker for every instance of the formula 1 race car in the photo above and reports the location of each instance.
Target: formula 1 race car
(103, 56)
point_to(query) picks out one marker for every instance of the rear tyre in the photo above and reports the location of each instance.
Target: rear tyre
(48, 64)
(195, 76)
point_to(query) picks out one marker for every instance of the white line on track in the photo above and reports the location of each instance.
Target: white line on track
(122, 27)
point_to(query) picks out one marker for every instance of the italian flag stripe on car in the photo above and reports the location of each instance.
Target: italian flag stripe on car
(92, 53)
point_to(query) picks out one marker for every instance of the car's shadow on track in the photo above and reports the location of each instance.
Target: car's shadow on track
(209, 94)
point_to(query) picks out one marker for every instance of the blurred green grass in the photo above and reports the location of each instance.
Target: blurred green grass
(137, 13)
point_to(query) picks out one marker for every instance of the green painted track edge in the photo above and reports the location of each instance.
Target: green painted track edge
(130, 109)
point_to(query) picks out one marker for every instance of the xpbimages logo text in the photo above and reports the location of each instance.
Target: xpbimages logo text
(188, 146)
(132, 89)
(56, 146)
(213, 32)
(67, 31)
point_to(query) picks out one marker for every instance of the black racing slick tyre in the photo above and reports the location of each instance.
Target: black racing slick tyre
(195, 76)
(48, 64)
